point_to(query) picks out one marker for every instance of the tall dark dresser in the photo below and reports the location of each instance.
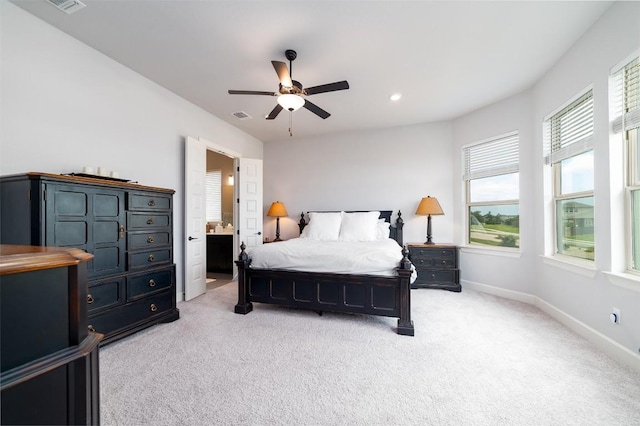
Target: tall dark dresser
(127, 227)
(49, 371)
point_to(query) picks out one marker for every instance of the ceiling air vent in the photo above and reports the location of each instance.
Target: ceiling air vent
(241, 115)
(67, 6)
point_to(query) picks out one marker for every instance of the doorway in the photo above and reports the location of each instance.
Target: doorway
(219, 218)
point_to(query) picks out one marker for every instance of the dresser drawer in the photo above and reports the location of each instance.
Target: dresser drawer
(148, 258)
(131, 314)
(141, 221)
(104, 294)
(148, 201)
(147, 240)
(142, 284)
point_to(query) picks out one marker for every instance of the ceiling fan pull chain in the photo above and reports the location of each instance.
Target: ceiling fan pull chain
(290, 123)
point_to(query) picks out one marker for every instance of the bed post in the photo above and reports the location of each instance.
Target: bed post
(399, 226)
(244, 306)
(405, 325)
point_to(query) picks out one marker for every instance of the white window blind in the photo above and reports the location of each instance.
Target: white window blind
(570, 131)
(214, 196)
(625, 97)
(494, 157)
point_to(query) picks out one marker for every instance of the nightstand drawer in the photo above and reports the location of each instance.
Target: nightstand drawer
(432, 276)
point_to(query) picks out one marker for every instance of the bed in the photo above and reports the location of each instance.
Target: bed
(382, 293)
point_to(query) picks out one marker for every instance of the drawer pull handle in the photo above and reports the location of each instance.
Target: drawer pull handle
(152, 283)
(153, 307)
(121, 231)
(150, 239)
(90, 328)
(90, 299)
(151, 258)
(433, 276)
(151, 202)
(421, 261)
(149, 221)
(444, 262)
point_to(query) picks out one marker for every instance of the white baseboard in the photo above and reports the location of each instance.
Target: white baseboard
(604, 343)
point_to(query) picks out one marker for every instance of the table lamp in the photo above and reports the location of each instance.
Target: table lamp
(277, 210)
(428, 206)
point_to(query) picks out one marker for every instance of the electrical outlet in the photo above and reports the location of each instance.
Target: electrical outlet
(616, 312)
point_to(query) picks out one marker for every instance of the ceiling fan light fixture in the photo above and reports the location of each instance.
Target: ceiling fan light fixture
(290, 102)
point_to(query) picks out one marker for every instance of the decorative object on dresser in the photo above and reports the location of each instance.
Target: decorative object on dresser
(277, 210)
(343, 291)
(127, 227)
(437, 266)
(429, 206)
(49, 372)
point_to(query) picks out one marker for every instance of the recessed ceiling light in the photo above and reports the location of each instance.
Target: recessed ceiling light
(395, 96)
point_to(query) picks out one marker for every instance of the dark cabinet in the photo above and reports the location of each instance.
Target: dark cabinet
(49, 360)
(220, 253)
(128, 228)
(436, 265)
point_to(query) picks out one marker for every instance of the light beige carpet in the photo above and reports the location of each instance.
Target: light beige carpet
(476, 359)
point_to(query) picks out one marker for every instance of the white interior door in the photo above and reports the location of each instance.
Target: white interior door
(249, 205)
(195, 255)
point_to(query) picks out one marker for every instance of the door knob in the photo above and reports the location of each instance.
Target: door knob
(192, 238)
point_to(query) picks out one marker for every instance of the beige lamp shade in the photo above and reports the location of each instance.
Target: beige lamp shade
(429, 206)
(277, 209)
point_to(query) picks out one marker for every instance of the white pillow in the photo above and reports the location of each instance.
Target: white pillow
(359, 226)
(322, 226)
(382, 230)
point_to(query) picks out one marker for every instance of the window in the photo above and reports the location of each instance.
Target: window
(569, 148)
(214, 196)
(625, 115)
(493, 191)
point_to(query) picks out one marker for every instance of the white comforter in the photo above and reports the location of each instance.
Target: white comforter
(381, 257)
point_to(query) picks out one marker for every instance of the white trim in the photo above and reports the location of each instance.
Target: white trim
(624, 280)
(609, 346)
(617, 67)
(498, 291)
(567, 103)
(584, 268)
(490, 251)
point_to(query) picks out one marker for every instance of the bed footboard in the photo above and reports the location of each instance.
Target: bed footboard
(358, 294)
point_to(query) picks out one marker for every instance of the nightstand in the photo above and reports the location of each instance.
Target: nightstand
(437, 266)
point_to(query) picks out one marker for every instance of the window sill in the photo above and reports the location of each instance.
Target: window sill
(628, 281)
(586, 269)
(490, 251)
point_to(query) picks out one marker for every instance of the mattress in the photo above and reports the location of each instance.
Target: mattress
(380, 257)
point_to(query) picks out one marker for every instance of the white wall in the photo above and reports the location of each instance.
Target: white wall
(387, 169)
(65, 105)
(582, 298)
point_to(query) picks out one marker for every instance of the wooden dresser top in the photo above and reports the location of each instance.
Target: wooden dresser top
(15, 259)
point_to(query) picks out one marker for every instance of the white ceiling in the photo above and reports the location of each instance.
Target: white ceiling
(447, 58)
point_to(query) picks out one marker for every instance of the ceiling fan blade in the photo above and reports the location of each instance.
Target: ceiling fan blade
(316, 109)
(323, 88)
(251, 92)
(283, 73)
(274, 112)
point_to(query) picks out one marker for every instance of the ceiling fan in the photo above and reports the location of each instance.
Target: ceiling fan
(291, 94)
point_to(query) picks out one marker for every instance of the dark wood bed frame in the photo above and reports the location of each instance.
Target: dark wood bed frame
(347, 293)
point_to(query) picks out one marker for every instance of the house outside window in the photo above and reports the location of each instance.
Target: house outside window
(625, 123)
(569, 151)
(491, 175)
